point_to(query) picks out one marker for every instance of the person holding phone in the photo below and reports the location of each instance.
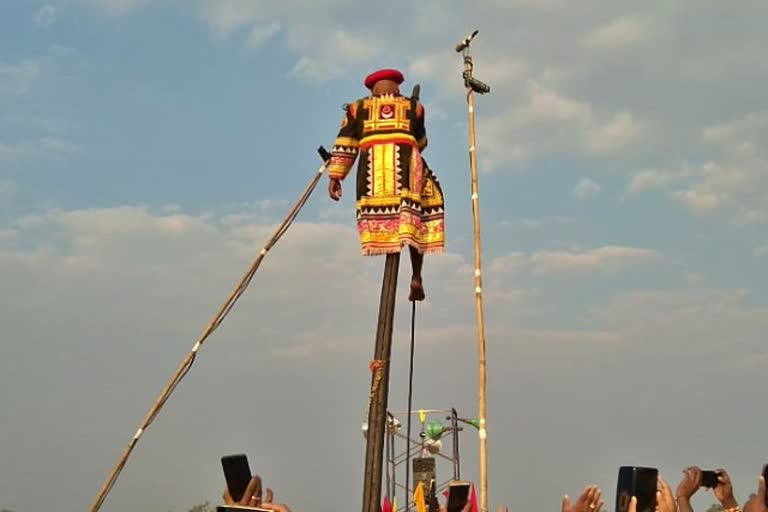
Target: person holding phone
(252, 498)
(694, 479)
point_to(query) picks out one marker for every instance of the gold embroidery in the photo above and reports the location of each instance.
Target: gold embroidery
(374, 121)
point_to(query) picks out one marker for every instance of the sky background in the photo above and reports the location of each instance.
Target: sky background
(148, 148)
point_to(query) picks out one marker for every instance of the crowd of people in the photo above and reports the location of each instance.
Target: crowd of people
(590, 500)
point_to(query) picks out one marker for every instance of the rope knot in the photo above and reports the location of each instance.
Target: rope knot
(376, 364)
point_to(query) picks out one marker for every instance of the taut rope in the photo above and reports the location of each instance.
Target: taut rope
(186, 364)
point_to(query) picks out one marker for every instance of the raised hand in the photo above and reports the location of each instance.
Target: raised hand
(690, 483)
(665, 501)
(589, 501)
(251, 496)
(724, 491)
(756, 502)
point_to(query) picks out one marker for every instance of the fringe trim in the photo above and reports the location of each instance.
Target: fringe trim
(380, 251)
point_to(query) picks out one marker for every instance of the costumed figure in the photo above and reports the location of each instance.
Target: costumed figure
(399, 200)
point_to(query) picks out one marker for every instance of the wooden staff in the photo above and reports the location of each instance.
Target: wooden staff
(186, 364)
(377, 408)
(473, 85)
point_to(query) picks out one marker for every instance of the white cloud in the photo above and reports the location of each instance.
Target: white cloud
(45, 17)
(653, 179)
(18, 78)
(586, 188)
(738, 130)
(602, 259)
(619, 33)
(228, 16)
(260, 34)
(614, 135)
(509, 264)
(50, 148)
(118, 7)
(702, 202)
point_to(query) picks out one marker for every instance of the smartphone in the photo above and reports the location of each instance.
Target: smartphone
(237, 473)
(639, 482)
(765, 476)
(458, 494)
(709, 479)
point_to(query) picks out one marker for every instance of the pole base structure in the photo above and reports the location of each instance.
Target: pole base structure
(377, 409)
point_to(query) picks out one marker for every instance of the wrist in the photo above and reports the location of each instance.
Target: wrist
(730, 504)
(684, 499)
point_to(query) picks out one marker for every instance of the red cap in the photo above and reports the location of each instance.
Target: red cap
(383, 74)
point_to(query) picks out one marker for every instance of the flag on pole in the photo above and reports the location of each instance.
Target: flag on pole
(473, 499)
(419, 501)
(386, 506)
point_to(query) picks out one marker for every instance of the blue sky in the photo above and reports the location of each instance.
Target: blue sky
(147, 148)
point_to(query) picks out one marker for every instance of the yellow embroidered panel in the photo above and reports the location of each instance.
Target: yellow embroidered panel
(386, 113)
(384, 169)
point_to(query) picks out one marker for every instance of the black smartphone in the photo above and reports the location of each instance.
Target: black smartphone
(237, 473)
(709, 479)
(765, 476)
(639, 482)
(458, 494)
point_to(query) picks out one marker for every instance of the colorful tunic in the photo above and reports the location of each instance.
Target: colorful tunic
(399, 200)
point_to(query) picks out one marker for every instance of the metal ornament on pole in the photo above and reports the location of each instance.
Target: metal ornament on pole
(474, 85)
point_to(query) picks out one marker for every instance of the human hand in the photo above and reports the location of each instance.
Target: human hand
(690, 483)
(589, 501)
(251, 496)
(756, 502)
(665, 502)
(334, 189)
(724, 490)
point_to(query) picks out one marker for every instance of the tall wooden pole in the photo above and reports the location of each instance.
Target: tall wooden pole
(473, 85)
(377, 408)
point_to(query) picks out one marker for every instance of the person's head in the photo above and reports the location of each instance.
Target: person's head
(384, 81)
(385, 87)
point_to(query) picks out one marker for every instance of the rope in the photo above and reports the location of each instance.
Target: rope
(185, 366)
(410, 401)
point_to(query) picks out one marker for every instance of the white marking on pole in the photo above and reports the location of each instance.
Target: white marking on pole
(477, 272)
(478, 290)
(138, 433)
(474, 196)
(471, 148)
(263, 251)
(196, 347)
(482, 433)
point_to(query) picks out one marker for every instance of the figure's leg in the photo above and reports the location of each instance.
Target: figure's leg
(417, 288)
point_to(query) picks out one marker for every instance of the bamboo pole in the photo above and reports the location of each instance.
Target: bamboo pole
(473, 85)
(186, 364)
(377, 408)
